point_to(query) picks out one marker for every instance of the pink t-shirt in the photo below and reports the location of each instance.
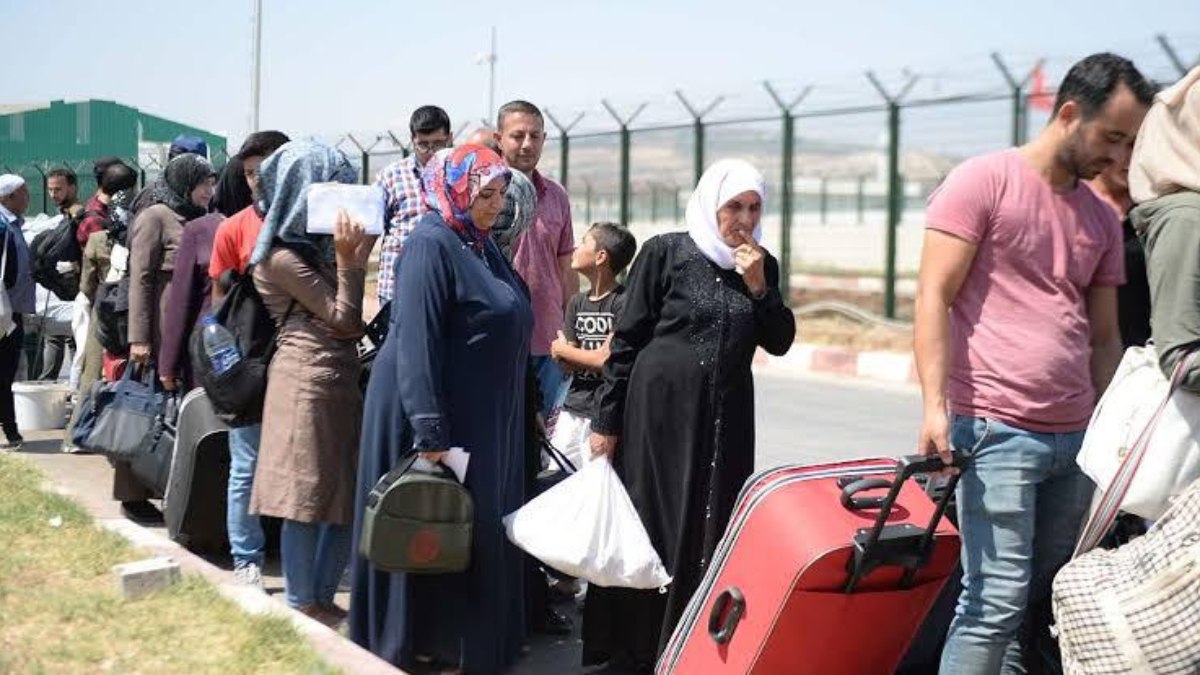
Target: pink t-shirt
(535, 257)
(1020, 347)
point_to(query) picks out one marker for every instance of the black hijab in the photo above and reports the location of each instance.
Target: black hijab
(174, 188)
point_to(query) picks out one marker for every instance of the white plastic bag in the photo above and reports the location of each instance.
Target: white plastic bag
(586, 527)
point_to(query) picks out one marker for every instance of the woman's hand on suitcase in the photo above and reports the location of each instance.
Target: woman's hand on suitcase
(602, 445)
(935, 437)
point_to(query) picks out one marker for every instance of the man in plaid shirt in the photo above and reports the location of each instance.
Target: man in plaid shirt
(401, 183)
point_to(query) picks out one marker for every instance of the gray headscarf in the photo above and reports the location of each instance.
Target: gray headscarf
(520, 207)
(283, 196)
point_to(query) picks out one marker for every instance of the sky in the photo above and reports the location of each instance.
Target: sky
(359, 66)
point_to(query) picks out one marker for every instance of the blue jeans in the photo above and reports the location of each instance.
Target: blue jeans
(246, 539)
(1020, 505)
(314, 557)
(551, 381)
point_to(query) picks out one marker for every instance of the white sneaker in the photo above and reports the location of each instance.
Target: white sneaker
(248, 575)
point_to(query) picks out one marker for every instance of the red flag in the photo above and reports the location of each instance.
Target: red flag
(1039, 97)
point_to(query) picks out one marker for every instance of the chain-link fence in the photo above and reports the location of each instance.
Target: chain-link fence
(849, 165)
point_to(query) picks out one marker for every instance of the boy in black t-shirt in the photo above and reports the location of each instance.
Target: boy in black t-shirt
(590, 319)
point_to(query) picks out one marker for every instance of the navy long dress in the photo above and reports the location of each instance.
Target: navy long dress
(451, 373)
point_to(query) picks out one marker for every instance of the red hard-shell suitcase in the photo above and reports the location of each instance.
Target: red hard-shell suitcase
(820, 571)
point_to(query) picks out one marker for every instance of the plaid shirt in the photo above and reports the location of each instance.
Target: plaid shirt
(401, 184)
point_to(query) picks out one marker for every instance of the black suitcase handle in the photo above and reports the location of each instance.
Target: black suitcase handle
(863, 484)
(733, 600)
(903, 545)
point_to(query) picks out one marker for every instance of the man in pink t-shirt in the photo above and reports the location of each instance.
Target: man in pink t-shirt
(542, 254)
(1016, 335)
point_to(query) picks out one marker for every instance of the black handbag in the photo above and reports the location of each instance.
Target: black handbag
(418, 522)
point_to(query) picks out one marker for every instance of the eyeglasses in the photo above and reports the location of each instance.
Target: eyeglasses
(432, 146)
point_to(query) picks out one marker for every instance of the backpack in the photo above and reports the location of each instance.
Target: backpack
(238, 394)
(58, 245)
(112, 316)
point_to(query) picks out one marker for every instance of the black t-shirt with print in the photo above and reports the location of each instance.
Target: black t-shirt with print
(588, 324)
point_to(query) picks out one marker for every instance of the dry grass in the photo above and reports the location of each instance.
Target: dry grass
(839, 331)
(60, 612)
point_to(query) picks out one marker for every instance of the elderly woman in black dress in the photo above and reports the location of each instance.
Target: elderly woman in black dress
(676, 410)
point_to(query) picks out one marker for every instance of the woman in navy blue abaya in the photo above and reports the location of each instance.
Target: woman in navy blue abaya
(451, 374)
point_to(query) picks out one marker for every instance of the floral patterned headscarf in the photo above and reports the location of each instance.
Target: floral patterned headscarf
(451, 181)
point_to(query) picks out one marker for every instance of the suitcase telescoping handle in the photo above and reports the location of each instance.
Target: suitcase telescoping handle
(904, 544)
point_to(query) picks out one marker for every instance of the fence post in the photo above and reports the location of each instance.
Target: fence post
(698, 131)
(45, 186)
(1020, 102)
(365, 156)
(786, 187)
(564, 136)
(624, 124)
(1173, 56)
(587, 195)
(895, 188)
(861, 199)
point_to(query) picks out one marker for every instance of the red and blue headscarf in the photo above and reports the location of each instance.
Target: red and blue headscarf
(453, 178)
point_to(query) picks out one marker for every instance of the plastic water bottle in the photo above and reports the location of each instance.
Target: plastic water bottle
(219, 346)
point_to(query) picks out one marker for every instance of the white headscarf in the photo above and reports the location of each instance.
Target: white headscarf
(1166, 156)
(10, 183)
(722, 181)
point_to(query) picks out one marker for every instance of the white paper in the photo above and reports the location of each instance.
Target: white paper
(364, 203)
(456, 460)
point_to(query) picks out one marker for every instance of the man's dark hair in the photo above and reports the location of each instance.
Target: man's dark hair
(1092, 81)
(232, 193)
(117, 177)
(64, 173)
(103, 163)
(428, 119)
(618, 242)
(262, 143)
(517, 106)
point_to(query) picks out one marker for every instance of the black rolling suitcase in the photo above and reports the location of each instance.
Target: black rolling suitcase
(195, 502)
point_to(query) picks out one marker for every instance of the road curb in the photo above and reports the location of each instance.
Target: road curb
(893, 367)
(336, 650)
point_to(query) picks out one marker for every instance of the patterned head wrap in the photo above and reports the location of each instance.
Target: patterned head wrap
(283, 196)
(452, 180)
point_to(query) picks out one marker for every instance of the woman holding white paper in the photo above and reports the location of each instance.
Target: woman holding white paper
(313, 287)
(451, 374)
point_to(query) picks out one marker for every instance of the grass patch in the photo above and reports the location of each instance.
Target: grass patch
(60, 611)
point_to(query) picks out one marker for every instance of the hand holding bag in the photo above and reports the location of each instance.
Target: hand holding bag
(130, 418)
(1141, 447)
(587, 527)
(418, 521)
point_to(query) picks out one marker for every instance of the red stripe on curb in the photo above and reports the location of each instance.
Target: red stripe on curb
(834, 360)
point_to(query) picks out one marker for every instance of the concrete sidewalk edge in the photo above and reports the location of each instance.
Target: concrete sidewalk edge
(893, 367)
(336, 650)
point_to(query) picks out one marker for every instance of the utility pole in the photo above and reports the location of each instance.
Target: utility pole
(256, 74)
(490, 60)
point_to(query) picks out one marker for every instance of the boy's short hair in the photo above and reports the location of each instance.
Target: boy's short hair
(618, 242)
